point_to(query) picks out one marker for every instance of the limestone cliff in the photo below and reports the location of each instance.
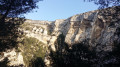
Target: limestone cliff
(99, 29)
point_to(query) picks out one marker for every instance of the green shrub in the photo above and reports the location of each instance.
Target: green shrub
(78, 56)
(32, 48)
(49, 32)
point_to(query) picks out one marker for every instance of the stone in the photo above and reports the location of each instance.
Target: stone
(99, 28)
(95, 26)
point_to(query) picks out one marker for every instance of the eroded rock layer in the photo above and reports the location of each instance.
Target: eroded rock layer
(99, 29)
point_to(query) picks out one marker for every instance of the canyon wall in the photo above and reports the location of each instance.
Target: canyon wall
(99, 29)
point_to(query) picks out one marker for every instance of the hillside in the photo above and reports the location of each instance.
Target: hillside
(99, 30)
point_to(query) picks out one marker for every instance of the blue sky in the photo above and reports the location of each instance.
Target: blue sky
(60, 9)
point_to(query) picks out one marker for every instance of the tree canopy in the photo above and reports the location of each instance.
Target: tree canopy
(105, 3)
(16, 8)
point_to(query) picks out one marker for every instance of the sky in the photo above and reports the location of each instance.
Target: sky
(50, 10)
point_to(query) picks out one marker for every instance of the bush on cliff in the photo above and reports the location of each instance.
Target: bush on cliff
(78, 55)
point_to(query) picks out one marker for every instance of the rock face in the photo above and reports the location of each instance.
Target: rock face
(14, 57)
(97, 28)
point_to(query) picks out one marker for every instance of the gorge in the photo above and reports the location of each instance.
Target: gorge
(99, 30)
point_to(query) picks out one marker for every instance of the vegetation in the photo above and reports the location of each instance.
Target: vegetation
(26, 26)
(4, 63)
(32, 51)
(38, 62)
(105, 3)
(81, 56)
(49, 32)
(12, 11)
(15, 8)
(9, 34)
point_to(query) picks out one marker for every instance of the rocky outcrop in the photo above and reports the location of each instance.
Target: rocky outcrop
(97, 28)
(14, 58)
